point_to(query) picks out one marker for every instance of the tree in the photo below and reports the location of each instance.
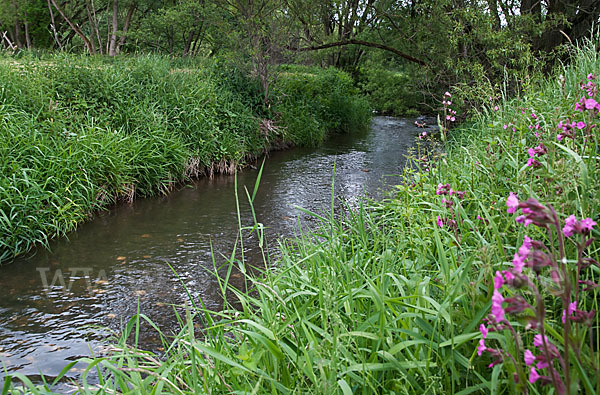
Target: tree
(262, 22)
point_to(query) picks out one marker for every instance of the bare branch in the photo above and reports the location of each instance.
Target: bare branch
(363, 43)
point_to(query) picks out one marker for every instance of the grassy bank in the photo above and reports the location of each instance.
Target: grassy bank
(78, 134)
(392, 296)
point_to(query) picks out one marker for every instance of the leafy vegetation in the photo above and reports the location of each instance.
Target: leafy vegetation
(78, 134)
(391, 92)
(449, 42)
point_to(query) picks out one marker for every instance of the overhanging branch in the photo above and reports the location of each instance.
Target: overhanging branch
(365, 44)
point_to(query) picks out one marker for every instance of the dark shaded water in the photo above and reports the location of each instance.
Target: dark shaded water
(53, 304)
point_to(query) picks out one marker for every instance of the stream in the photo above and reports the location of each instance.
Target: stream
(60, 304)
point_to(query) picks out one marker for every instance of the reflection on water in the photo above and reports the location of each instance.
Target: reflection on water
(53, 304)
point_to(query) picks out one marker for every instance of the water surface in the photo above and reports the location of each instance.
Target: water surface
(55, 303)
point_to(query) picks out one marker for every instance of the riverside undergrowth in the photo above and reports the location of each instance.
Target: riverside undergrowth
(391, 296)
(78, 134)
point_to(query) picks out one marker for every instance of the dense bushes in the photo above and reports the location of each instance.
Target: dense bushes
(391, 92)
(313, 101)
(80, 133)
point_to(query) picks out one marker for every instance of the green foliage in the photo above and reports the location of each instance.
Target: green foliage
(78, 134)
(313, 102)
(390, 92)
(383, 299)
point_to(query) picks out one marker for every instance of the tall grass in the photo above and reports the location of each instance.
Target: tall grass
(80, 133)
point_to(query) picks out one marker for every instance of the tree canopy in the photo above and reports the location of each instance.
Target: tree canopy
(453, 40)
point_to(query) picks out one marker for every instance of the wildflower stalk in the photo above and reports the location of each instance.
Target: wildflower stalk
(565, 297)
(542, 316)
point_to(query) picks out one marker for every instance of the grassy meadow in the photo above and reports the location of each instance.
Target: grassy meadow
(78, 134)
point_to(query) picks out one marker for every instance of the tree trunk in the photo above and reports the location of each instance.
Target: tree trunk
(112, 48)
(198, 42)
(18, 40)
(579, 15)
(75, 28)
(27, 36)
(53, 26)
(188, 43)
(96, 28)
(92, 24)
(126, 26)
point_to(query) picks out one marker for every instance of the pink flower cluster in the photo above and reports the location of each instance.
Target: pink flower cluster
(536, 152)
(441, 222)
(568, 129)
(445, 189)
(447, 99)
(542, 344)
(544, 363)
(587, 104)
(590, 87)
(572, 225)
(447, 102)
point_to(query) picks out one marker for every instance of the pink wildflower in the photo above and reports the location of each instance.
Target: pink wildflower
(570, 309)
(542, 365)
(522, 219)
(529, 357)
(518, 262)
(439, 222)
(531, 162)
(481, 348)
(442, 189)
(498, 280)
(591, 104)
(526, 246)
(588, 224)
(533, 375)
(508, 275)
(580, 125)
(484, 331)
(569, 227)
(512, 202)
(497, 309)
(537, 340)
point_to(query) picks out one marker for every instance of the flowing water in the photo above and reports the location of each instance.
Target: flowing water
(59, 305)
